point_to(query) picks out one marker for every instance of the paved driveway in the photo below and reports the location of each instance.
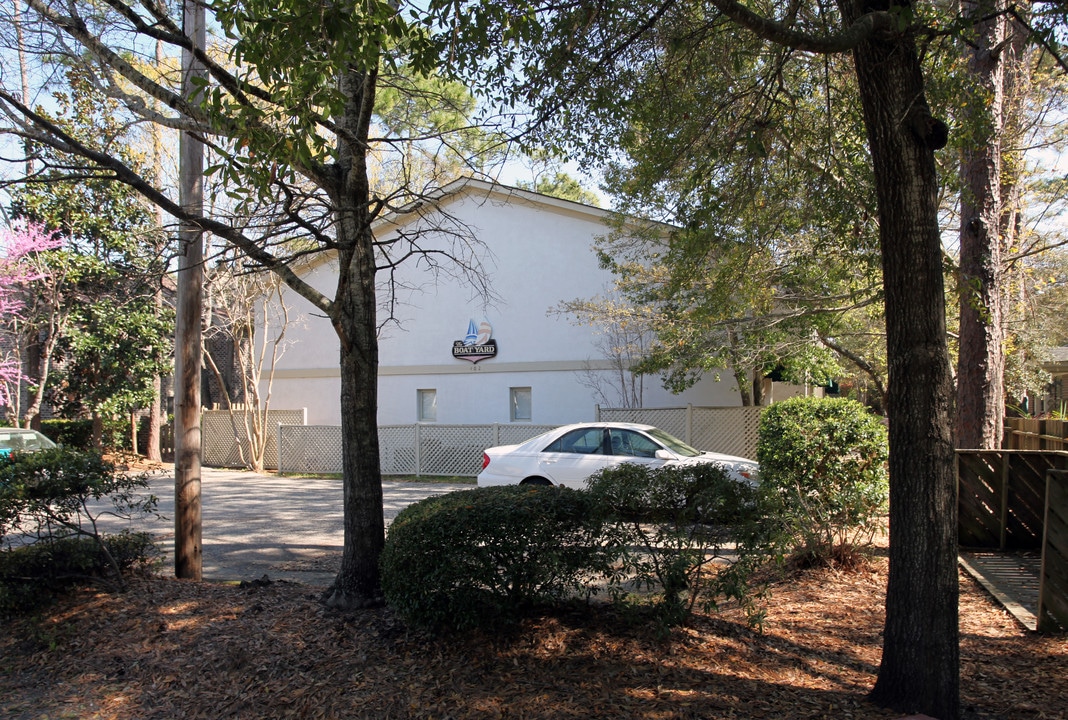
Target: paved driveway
(255, 525)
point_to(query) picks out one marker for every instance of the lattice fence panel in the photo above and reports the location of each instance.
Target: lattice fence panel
(453, 449)
(224, 441)
(727, 430)
(396, 449)
(515, 434)
(730, 430)
(310, 448)
(443, 449)
(220, 438)
(671, 420)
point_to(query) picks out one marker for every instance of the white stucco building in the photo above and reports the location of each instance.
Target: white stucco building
(526, 363)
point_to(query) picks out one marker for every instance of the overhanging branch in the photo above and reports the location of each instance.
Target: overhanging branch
(55, 137)
(865, 27)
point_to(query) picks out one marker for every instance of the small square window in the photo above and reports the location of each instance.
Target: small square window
(520, 404)
(428, 405)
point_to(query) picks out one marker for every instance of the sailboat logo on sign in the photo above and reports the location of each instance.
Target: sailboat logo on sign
(477, 345)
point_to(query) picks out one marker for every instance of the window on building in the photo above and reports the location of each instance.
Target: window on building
(428, 405)
(520, 402)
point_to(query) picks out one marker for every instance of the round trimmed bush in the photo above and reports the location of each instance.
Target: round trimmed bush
(666, 526)
(677, 494)
(823, 465)
(477, 558)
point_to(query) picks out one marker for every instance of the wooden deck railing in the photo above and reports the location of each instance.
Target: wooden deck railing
(1035, 434)
(1053, 582)
(1018, 500)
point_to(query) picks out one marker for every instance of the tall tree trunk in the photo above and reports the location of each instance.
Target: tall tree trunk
(40, 354)
(97, 436)
(24, 77)
(153, 450)
(188, 551)
(1019, 54)
(981, 358)
(357, 583)
(920, 668)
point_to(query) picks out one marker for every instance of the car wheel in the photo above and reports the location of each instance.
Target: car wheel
(535, 481)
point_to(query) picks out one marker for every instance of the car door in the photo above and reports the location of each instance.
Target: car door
(574, 456)
(633, 447)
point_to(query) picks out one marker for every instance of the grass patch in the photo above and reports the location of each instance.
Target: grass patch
(460, 479)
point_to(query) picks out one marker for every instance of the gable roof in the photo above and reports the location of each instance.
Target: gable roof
(483, 192)
(1056, 362)
(469, 187)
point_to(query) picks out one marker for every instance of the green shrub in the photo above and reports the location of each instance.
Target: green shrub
(56, 495)
(75, 434)
(823, 466)
(670, 529)
(478, 558)
(78, 434)
(32, 575)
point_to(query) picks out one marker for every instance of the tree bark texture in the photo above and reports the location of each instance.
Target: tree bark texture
(981, 359)
(40, 353)
(153, 450)
(1019, 52)
(188, 550)
(354, 319)
(919, 671)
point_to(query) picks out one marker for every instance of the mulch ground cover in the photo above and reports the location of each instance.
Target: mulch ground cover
(172, 649)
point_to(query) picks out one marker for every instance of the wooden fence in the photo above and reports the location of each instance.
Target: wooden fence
(1053, 581)
(1002, 497)
(1034, 434)
(1018, 500)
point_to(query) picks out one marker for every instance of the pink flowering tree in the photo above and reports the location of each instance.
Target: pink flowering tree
(19, 245)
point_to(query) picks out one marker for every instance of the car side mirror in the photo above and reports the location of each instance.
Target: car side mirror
(663, 454)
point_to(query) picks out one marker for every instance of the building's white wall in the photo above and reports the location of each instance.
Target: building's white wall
(310, 341)
(534, 259)
(320, 395)
(535, 256)
(482, 396)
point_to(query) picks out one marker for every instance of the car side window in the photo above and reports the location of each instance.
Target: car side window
(585, 441)
(632, 444)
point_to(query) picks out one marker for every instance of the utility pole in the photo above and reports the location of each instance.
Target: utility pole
(188, 557)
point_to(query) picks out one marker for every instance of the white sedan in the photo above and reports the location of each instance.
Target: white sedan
(569, 455)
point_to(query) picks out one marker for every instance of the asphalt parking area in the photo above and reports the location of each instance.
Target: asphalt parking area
(255, 525)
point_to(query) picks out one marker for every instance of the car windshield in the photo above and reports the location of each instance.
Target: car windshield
(673, 443)
(19, 441)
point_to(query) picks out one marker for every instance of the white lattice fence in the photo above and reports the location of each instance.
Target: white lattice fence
(224, 441)
(730, 430)
(309, 448)
(726, 430)
(453, 449)
(671, 420)
(423, 449)
(396, 449)
(515, 434)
